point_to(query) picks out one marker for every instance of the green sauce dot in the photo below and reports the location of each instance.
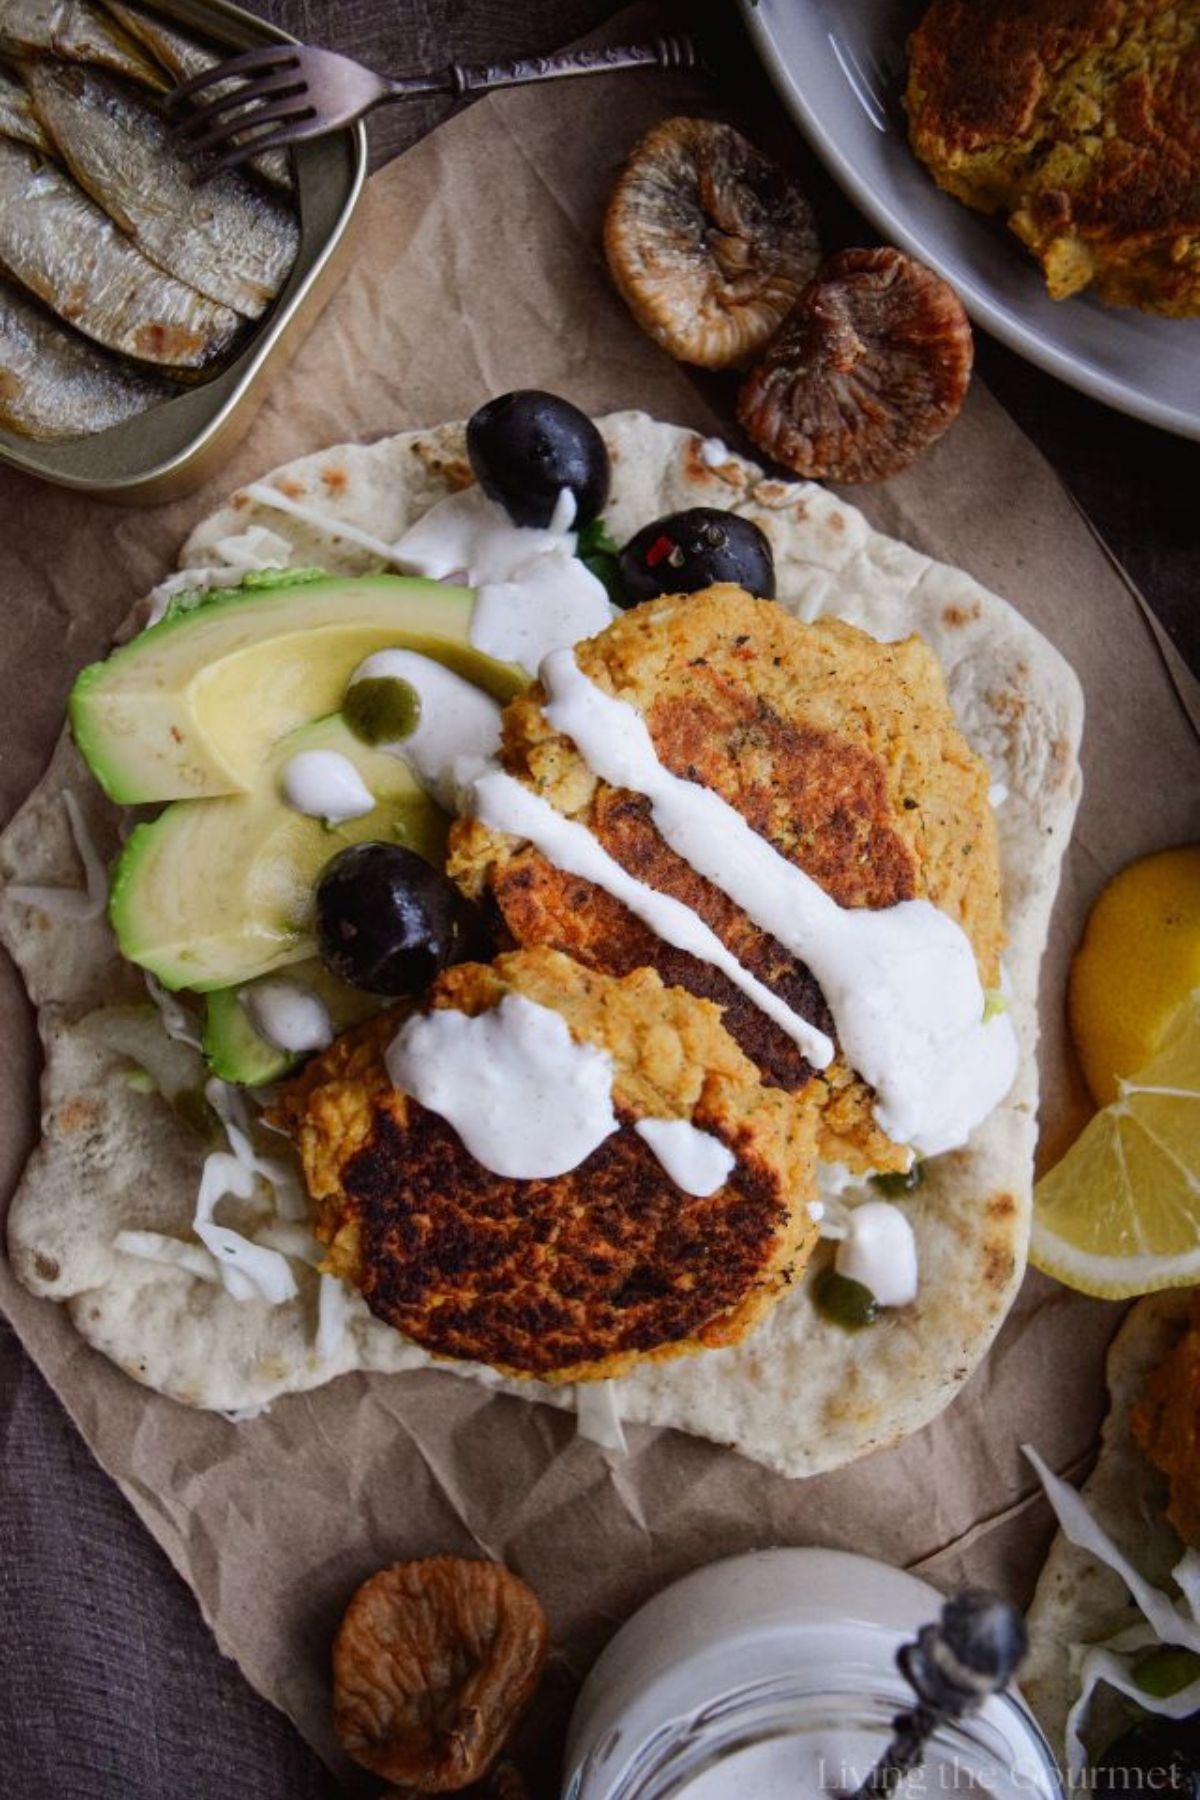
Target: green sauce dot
(844, 1302)
(899, 1181)
(382, 709)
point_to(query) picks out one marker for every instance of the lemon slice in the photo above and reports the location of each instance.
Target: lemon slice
(1120, 1214)
(1137, 964)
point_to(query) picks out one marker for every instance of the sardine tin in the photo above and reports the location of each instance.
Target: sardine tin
(177, 445)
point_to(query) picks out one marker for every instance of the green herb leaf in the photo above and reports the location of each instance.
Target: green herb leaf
(597, 550)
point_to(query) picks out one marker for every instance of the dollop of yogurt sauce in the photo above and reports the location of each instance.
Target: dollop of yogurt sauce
(901, 981)
(324, 784)
(533, 595)
(458, 725)
(526, 1100)
(696, 1161)
(288, 1014)
(880, 1251)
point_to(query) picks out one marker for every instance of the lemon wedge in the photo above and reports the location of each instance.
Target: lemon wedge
(1138, 962)
(1120, 1214)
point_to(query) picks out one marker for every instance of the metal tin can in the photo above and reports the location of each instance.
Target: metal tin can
(176, 445)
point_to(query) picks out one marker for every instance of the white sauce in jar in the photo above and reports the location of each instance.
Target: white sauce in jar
(458, 727)
(696, 1161)
(527, 1101)
(288, 1014)
(324, 784)
(773, 1677)
(900, 981)
(533, 594)
(880, 1251)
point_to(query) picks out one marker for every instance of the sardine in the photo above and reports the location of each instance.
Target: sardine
(182, 57)
(225, 237)
(58, 244)
(76, 30)
(17, 117)
(53, 384)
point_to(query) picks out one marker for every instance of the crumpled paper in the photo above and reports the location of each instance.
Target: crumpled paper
(479, 269)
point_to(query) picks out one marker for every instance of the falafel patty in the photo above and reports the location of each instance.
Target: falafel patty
(843, 752)
(1081, 120)
(580, 1276)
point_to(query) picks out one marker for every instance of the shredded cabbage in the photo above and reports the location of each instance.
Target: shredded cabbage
(177, 1021)
(1166, 1623)
(266, 495)
(1078, 1525)
(598, 1416)
(333, 1315)
(153, 1246)
(251, 550)
(71, 903)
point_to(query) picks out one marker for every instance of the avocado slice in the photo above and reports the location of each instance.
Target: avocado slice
(192, 706)
(234, 1049)
(214, 892)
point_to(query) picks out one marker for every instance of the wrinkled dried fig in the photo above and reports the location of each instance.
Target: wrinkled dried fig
(708, 241)
(869, 368)
(433, 1664)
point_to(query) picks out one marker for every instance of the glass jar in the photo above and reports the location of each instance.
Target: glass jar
(773, 1677)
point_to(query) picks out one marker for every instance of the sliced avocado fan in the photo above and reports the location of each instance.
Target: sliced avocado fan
(193, 706)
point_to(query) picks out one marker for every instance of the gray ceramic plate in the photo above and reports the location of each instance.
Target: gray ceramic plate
(839, 69)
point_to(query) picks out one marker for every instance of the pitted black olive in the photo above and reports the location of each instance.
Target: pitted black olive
(687, 551)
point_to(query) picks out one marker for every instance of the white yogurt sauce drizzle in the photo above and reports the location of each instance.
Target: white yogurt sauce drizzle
(900, 981)
(507, 805)
(696, 1161)
(533, 595)
(458, 729)
(526, 1100)
(880, 1251)
(324, 784)
(289, 1015)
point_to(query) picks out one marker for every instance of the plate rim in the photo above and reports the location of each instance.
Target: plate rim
(1026, 343)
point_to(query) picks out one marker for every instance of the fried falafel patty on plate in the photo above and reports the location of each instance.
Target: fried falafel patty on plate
(841, 751)
(1080, 119)
(581, 1275)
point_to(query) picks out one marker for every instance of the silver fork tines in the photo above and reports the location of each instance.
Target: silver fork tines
(283, 93)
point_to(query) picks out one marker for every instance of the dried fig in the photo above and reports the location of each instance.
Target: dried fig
(868, 369)
(708, 241)
(433, 1664)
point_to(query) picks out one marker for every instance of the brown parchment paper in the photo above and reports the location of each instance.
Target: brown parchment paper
(479, 270)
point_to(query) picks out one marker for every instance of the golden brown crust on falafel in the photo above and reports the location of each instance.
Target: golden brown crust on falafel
(1081, 120)
(841, 751)
(580, 1276)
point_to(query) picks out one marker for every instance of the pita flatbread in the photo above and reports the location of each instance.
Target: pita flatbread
(800, 1395)
(1080, 1600)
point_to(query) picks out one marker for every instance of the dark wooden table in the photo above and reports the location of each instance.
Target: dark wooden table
(110, 1686)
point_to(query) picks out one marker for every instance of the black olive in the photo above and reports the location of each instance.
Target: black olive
(1157, 1756)
(527, 446)
(687, 551)
(386, 920)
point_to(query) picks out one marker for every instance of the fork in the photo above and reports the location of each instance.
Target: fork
(305, 93)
